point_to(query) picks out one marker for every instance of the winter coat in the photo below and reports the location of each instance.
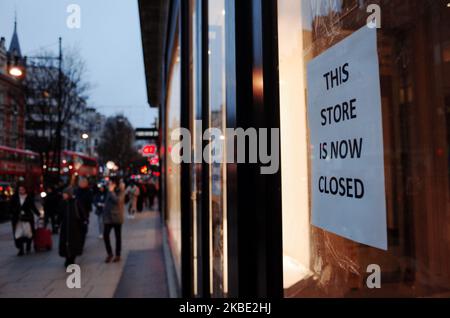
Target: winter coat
(151, 191)
(70, 239)
(24, 213)
(52, 204)
(99, 202)
(114, 210)
(84, 198)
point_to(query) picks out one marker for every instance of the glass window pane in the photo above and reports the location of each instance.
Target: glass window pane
(173, 173)
(195, 117)
(413, 50)
(217, 109)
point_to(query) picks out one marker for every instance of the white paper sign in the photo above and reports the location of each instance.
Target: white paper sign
(348, 192)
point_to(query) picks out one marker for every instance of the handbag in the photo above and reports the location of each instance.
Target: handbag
(23, 230)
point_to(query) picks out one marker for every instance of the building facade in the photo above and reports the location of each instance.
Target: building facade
(233, 231)
(12, 95)
(94, 123)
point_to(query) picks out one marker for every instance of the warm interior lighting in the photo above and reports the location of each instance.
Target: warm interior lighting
(258, 83)
(294, 144)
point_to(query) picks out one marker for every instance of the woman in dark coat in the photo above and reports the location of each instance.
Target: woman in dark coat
(99, 204)
(70, 240)
(51, 206)
(23, 209)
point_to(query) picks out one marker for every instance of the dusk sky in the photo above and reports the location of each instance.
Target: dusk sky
(109, 41)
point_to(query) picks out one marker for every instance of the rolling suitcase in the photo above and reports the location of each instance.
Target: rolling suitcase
(42, 238)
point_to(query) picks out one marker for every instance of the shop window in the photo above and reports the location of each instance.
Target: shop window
(195, 116)
(413, 51)
(173, 173)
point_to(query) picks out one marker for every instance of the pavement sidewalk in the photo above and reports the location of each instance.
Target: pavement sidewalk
(140, 274)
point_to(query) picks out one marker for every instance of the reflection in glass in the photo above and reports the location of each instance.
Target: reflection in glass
(173, 175)
(413, 50)
(217, 108)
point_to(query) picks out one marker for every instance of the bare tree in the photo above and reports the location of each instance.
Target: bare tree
(55, 93)
(117, 142)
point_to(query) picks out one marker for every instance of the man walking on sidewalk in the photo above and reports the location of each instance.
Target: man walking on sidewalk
(113, 217)
(84, 199)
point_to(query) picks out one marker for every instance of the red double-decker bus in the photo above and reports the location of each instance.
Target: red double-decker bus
(75, 164)
(17, 165)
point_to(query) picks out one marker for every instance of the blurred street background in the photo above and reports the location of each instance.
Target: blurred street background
(42, 275)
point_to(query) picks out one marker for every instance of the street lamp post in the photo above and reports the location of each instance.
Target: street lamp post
(16, 67)
(85, 137)
(58, 126)
(15, 71)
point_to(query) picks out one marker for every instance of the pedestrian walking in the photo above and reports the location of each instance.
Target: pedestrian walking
(140, 198)
(59, 189)
(133, 193)
(71, 236)
(143, 188)
(84, 197)
(23, 210)
(99, 205)
(151, 192)
(113, 217)
(51, 206)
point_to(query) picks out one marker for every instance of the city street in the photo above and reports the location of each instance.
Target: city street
(140, 274)
(240, 150)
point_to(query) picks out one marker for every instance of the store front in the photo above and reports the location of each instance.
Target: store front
(235, 231)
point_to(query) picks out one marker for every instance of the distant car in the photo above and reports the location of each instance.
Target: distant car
(5, 196)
